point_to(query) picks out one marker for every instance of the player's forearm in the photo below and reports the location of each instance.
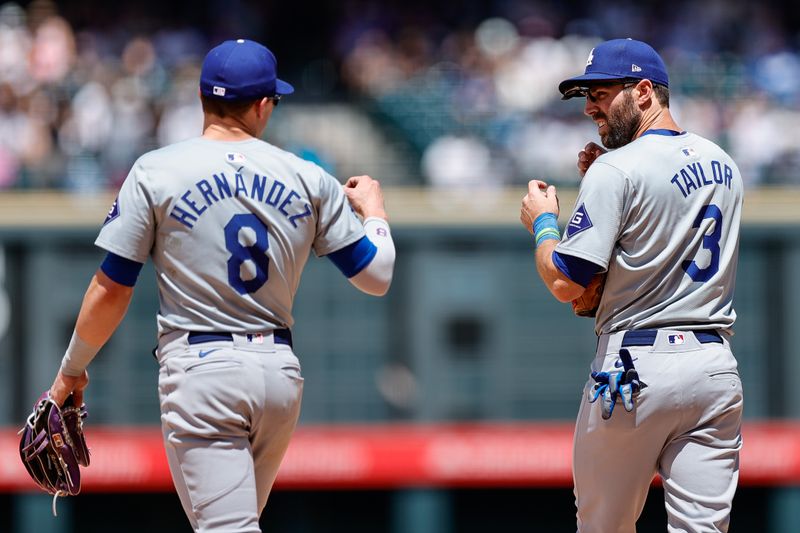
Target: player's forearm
(376, 277)
(375, 211)
(103, 308)
(560, 286)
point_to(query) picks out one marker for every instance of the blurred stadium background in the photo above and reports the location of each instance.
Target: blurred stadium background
(446, 407)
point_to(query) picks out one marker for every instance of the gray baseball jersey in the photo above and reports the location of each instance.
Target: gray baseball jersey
(661, 215)
(229, 227)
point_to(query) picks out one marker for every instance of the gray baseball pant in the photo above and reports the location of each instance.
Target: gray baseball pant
(227, 418)
(685, 426)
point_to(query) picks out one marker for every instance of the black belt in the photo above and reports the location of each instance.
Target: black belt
(281, 336)
(647, 337)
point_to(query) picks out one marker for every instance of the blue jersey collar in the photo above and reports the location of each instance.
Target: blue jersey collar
(666, 133)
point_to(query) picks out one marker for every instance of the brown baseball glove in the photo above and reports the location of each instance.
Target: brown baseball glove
(587, 303)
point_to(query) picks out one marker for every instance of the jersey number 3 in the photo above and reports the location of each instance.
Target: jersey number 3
(710, 243)
(253, 251)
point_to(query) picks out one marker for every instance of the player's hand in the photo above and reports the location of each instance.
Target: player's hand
(541, 198)
(63, 386)
(365, 196)
(587, 156)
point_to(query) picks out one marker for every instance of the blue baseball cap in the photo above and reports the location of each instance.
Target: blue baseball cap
(241, 70)
(618, 59)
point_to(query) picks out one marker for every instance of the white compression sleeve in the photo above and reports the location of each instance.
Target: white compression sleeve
(78, 356)
(376, 277)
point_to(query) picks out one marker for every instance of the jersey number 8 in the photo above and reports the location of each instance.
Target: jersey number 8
(254, 252)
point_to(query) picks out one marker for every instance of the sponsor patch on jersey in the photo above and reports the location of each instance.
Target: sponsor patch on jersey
(580, 221)
(676, 339)
(113, 212)
(235, 157)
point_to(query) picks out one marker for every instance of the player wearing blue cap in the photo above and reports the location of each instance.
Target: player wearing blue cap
(229, 222)
(650, 250)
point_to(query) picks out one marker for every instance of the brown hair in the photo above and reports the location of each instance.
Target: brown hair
(224, 108)
(662, 94)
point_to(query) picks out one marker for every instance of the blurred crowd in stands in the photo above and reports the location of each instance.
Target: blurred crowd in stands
(473, 95)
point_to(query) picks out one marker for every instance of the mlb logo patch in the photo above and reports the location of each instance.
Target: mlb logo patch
(113, 212)
(676, 339)
(579, 222)
(235, 157)
(218, 91)
(688, 151)
(255, 338)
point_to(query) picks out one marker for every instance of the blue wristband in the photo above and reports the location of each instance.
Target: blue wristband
(545, 227)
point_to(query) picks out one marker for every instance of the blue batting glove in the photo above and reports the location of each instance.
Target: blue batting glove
(606, 389)
(621, 384)
(600, 387)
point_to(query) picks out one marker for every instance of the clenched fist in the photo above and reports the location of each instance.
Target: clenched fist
(365, 196)
(587, 156)
(541, 198)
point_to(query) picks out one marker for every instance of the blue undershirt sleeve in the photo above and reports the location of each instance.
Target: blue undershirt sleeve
(353, 258)
(121, 270)
(578, 270)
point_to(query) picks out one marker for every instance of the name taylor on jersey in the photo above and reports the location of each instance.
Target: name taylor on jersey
(693, 176)
(195, 201)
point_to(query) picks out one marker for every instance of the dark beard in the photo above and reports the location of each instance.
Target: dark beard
(622, 124)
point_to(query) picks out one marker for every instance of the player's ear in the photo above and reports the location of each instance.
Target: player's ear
(261, 106)
(643, 91)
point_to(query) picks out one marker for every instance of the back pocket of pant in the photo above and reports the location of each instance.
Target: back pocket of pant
(213, 365)
(722, 375)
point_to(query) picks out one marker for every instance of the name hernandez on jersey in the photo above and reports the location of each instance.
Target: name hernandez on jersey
(190, 210)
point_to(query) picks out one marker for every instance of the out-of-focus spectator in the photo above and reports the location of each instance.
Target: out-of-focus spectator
(456, 162)
(52, 52)
(15, 45)
(182, 116)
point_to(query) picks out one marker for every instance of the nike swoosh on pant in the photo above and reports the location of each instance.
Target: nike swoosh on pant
(618, 363)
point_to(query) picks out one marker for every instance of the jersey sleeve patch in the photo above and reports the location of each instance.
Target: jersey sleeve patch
(113, 212)
(579, 222)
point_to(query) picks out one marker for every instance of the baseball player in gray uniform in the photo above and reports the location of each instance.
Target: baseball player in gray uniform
(229, 222)
(657, 217)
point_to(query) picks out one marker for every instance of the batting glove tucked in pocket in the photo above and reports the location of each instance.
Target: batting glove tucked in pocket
(622, 384)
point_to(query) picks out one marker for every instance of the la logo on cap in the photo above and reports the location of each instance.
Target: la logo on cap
(590, 58)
